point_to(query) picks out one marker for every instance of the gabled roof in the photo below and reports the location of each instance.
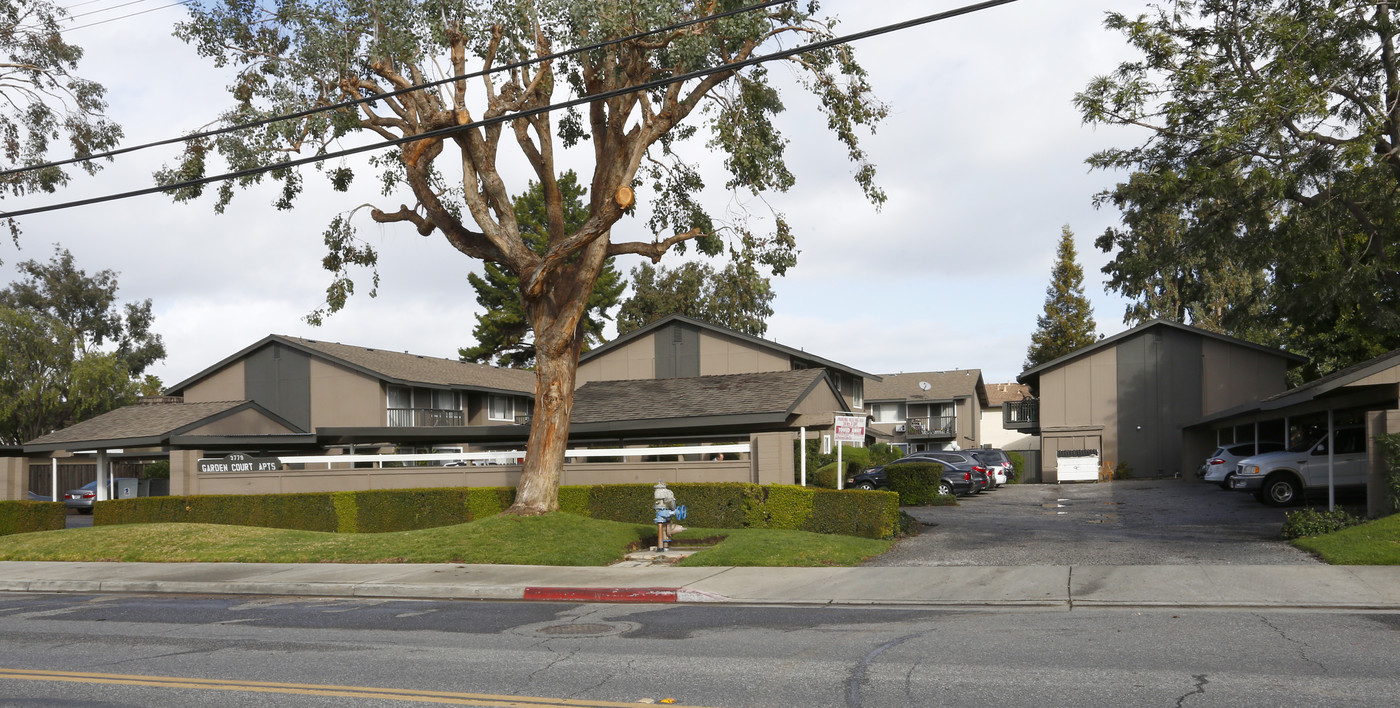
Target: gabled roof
(772, 395)
(1312, 390)
(144, 424)
(725, 331)
(1035, 372)
(999, 393)
(942, 386)
(399, 368)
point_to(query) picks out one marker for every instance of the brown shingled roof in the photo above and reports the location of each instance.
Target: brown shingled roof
(424, 369)
(999, 393)
(138, 421)
(772, 392)
(943, 385)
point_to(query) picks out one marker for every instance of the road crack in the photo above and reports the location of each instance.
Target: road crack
(1302, 647)
(1200, 690)
(859, 673)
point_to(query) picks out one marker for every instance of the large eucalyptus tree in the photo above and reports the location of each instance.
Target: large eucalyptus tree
(292, 55)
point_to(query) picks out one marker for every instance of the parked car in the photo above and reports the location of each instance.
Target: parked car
(38, 497)
(1221, 464)
(81, 498)
(955, 482)
(963, 460)
(999, 458)
(1283, 478)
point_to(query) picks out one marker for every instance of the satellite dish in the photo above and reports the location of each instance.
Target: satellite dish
(924, 385)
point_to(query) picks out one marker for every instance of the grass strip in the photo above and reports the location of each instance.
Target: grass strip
(552, 539)
(1372, 543)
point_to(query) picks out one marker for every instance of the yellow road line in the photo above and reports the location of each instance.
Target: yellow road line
(390, 694)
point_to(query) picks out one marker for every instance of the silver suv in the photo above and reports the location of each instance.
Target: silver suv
(1282, 478)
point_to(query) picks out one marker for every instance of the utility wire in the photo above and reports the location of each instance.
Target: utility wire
(123, 17)
(444, 132)
(101, 10)
(391, 94)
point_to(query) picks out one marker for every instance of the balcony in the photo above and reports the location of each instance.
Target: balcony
(1021, 415)
(938, 426)
(424, 418)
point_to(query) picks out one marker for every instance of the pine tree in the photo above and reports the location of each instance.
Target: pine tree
(1068, 322)
(502, 331)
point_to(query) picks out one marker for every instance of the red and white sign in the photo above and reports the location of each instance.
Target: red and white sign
(850, 429)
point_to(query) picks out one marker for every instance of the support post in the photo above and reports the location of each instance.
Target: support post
(101, 485)
(802, 452)
(53, 487)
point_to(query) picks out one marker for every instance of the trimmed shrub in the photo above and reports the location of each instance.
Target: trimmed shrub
(1312, 522)
(1019, 462)
(156, 470)
(723, 505)
(1389, 446)
(823, 477)
(916, 483)
(28, 516)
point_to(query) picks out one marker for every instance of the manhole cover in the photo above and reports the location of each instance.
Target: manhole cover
(573, 630)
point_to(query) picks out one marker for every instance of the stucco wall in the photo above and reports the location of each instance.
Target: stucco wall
(225, 384)
(248, 422)
(633, 360)
(999, 437)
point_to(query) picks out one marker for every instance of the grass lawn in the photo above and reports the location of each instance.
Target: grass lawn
(553, 539)
(1372, 543)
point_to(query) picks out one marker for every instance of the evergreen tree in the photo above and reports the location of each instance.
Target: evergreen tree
(502, 330)
(737, 297)
(1068, 322)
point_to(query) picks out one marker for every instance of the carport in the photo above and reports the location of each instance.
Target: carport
(1367, 393)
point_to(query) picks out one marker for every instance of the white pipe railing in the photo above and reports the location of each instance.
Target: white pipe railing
(514, 454)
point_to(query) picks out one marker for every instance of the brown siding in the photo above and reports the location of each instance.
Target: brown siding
(630, 361)
(1081, 394)
(225, 384)
(1232, 375)
(344, 398)
(248, 422)
(722, 355)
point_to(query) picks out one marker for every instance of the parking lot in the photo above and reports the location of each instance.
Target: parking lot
(1149, 522)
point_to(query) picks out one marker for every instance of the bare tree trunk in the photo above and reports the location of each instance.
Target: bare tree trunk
(558, 340)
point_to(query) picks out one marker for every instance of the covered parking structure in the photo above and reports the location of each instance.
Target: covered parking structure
(1366, 394)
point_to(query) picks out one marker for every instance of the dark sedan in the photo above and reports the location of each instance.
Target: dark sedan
(955, 482)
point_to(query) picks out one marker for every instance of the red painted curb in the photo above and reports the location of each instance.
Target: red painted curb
(602, 594)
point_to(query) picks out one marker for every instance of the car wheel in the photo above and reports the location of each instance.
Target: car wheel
(1225, 483)
(866, 486)
(1281, 491)
(945, 489)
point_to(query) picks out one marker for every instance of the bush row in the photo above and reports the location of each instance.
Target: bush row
(917, 484)
(724, 505)
(26, 516)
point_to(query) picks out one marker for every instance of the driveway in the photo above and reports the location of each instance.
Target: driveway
(1150, 522)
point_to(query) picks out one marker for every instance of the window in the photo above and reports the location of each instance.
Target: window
(500, 408)
(400, 397)
(446, 401)
(887, 412)
(858, 393)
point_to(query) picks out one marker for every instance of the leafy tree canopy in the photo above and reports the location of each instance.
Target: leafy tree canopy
(737, 296)
(292, 55)
(502, 331)
(1068, 321)
(1269, 174)
(42, 100)
(67, 352)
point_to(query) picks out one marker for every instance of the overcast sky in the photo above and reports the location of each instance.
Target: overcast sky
(982, 157)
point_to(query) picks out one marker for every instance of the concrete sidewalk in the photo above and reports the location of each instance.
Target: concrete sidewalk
(1309, 587)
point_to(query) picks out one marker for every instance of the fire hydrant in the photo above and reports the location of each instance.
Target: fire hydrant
(667, 513)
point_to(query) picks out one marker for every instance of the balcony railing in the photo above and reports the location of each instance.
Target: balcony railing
(938, 426)
(1020, 415)
(423, 418)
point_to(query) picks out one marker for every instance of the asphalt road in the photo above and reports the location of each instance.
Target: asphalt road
(1149, 522)
(109, 651)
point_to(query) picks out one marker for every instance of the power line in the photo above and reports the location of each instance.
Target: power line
(444, 132)
(123, 17)
(104, 9)
(391, 94)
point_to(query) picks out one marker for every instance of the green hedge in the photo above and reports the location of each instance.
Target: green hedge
(27, 516)
(916, 483)
(723, 505)
(1389, 446)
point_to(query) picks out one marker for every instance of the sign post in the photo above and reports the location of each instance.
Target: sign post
(848, 428)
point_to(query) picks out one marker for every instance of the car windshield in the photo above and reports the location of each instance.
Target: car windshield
(1306, 445)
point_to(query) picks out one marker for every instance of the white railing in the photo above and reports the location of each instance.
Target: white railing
(500, 457)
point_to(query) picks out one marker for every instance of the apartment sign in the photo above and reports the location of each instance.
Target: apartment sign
(238, 462)
(850, 428)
